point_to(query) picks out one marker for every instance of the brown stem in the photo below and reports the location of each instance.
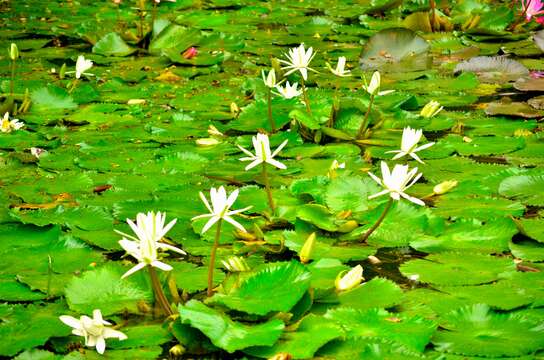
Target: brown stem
(157, 290)
(433, 14)
(268, 190)
(305, 94)
(211, 266)
(375, 226)
(364, 124)
(270, 118)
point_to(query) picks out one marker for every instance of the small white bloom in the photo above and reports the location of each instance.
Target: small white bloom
(93, 330)
(299, 59)
(7, 125)
(220, 208)
(414, 278)
(37, 152)
(270, 79)
(263, 154)
(82, 65)
(431, 109)
(373, 88)
(396, 182)
(289, 91)
(351, 279)
(410, 138)
(235, 264)
(149, 229)
(340, 68)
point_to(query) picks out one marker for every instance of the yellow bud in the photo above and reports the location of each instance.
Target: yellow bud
(62, 71)
(206, 142)
(348, 226)
(281, 356)
(307, 249)
(234, 109)
(351, 279)
(13, 52)
(177, 350)
(431, 109)
(444, 187)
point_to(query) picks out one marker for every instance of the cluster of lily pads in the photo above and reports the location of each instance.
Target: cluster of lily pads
(311, 221)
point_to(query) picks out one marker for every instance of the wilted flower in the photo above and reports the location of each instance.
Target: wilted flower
(340, 68)
(149, 229)
(261, 144)
(431, 109)
(93, 329)
(190, 53)
(37, 152)
(373, 88)
(350, 279)
(220, 208)
(82, 65)
(299, 59)
(13, 52)
(444, 187)
(270, 79)
(288, 91)
(396, 182)
(235, 264)
(7, 125)
(410, 138)
(532, 8)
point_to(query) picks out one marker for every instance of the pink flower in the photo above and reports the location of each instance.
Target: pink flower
(190, 53)
(532, 8)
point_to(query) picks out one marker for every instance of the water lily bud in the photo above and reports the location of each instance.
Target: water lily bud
(177, 350)
(212, 130)
(206, 142)
(444, 187)
(281, 356)
(307, 249)
(190, 53)
(235, 264)
(348, 226)
(13, 52)
(62, 71)
(351, 279)
(431, 109)
(136, 102)
(234, 109)
(374, 260)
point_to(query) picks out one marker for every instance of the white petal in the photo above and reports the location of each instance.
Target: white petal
(253, 164)
(375, 178)
(412, 199)
(278, 149)
(383, 192)
(111, 333)
(247, 152)
(70, 321)
(161, 265)
(139, 266)
(210, 223)
(416, 158)
(100, 345)
(205, 201)
(235, 223)
(276, 163)
(425, 146)
(399, 155)
(170, 247)
(201, 216)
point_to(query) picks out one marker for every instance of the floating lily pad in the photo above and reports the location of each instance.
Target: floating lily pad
(493, 68)
(525, 188)
(529, 84)
(478, 331)
(112, 45)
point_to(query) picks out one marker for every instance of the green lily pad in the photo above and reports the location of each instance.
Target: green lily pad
(275, 287)
(112, 45)
(226, 333)
(525, 188)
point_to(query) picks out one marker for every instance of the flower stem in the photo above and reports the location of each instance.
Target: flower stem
(12, 80)
(270, 118)
(268, 190)
(157, 290)
(153, 15)
(211, 266)
(335, 105)
(364, 124)
(305, 94)
(433, 15)
(375, 226)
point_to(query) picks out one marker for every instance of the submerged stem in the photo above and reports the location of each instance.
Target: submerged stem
(268, 190)
(270, 117)
(212, 258)
(375, 226)
(364, 124)
(159, 293)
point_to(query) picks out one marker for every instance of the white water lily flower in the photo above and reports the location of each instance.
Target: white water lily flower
(220, 208)
(270, 79)
(236, 264)
(396, 182)
(410, 138)
(288, 91)
(431, 109)
(149, 229)
(299, 59)
(373, 88)
(93, 329)
(340, 68)
(7, 125)
(351, 279)
(82, 65)
(261, 144)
